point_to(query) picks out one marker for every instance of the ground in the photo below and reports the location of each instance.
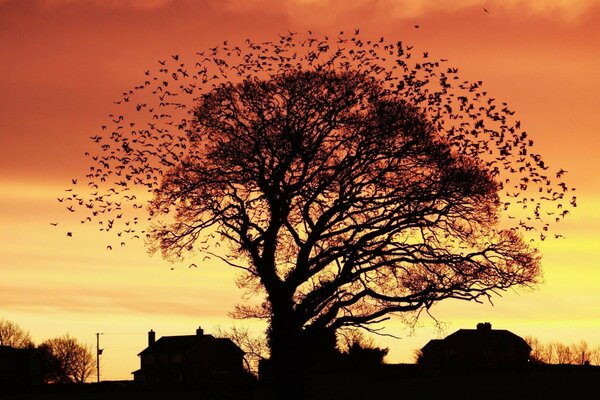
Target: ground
(539, 382)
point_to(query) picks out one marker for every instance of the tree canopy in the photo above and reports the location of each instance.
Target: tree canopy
(339, 197)
(69, 361)
(14, 336)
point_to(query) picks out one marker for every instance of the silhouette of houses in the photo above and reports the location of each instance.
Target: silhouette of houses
(189, 360)
(20, 367)
(483, 347)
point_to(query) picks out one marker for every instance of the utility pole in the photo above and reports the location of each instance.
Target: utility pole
(98, 353)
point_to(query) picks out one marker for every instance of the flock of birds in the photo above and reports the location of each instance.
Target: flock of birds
(150, 133)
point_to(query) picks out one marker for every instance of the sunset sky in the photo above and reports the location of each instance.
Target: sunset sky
(64, 63)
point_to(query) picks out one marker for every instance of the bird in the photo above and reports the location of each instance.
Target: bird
(70, 234)
(417, 26)
(193, 265)
(109, 247)
(486, 10)
(54, 223)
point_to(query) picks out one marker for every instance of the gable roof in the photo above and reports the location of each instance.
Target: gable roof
(483, 336)
(186, 343)
(494, 337)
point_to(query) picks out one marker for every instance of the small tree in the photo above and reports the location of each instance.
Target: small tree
(539, 351)
(72, 361)
(595, 356)
(255, 348)
(563, 352)
(12, 335)
(360, 351)
(581, 353)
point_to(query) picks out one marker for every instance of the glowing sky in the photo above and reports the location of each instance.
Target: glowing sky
(64, 62)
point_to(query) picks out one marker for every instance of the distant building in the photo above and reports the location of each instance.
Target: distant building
(483, 347)
(189, 360)
(20, 367)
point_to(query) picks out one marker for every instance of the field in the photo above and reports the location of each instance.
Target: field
(396, 382)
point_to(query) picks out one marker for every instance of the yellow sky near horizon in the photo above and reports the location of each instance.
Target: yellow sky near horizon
(66, 61)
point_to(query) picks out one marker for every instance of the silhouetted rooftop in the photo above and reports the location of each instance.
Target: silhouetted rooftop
(185, 343)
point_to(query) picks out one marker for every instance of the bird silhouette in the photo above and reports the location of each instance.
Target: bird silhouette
(147, 133)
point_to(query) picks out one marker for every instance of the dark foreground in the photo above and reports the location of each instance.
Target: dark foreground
(392, 382)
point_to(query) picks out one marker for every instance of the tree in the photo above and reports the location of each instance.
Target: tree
(595, 356)
(70, 360)
(255, 348)
(563, 353)
(12, 335)
(540, 353)
(581, 353)
(359, 351)
(351, 182)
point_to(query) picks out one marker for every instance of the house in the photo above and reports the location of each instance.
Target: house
(189, 360)
(483, 347)
(20, 367)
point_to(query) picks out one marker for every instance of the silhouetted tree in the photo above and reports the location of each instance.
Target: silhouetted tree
(69, 361)
(563, 353)
(559, 353)
(418, 356)
(351, 181)
(582, 353)
(12, 335)
(539, 351)
(595, 356)
(255, 348)
(360, 351)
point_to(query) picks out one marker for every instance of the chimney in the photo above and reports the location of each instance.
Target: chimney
(199, 331)
(151, 337)
(484, 327)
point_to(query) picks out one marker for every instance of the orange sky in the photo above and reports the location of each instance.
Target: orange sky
(65, 61)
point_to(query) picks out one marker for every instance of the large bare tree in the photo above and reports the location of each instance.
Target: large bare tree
(352, 180)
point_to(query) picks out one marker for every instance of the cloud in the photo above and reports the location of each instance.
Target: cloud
(323, 11)
(124, 300)
(309, 9)
(136, 4)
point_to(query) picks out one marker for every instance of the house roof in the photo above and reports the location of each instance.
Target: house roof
(491, 337)
(477, 337)
(433, 344)
(183, 344)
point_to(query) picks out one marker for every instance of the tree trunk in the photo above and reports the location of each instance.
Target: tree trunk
(287, 355)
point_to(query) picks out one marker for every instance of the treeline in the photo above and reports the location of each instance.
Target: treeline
(580, 353)
(63, 359)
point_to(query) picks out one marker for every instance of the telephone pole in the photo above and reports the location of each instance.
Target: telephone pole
(98, 353)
